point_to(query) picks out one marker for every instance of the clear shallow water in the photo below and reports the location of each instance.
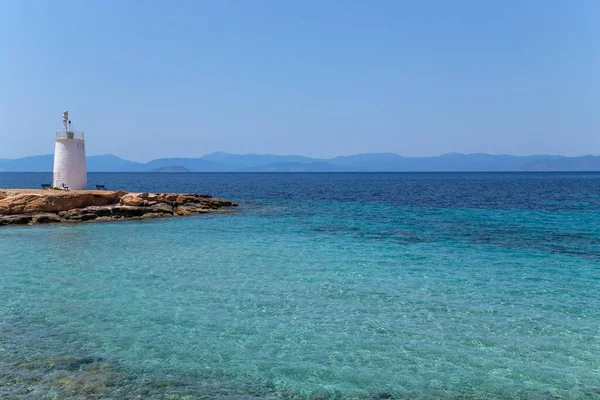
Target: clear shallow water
(322, 285)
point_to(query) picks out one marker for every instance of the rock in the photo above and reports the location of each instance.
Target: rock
(21, 207)
(65, 214)
(15, 219)
(53, 201)
(45, 218)
(151, 197)
(132, 200)
(129, 211)
(100, 211)
(214, 203)
(182, 199)
(88, 217)
(188, 209)
(86, 214)
(83, 214)
(148, 196)
(152, 215)
(161, 208)
(182, 210)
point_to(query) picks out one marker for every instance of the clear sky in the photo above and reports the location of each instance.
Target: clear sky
(149, 79)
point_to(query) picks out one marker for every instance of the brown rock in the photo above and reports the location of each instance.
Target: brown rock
(151, 197)
(181, 211)
(132, 200)
(25, 206)
(168, 197)
(53, 201)
(182, 199)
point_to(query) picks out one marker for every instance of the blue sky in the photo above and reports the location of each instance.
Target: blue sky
(149, 79)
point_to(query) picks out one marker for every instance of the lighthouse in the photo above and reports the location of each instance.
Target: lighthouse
(69, 158)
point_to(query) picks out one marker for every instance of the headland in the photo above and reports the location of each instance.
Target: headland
(30, 206)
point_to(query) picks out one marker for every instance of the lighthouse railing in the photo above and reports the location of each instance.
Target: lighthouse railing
(70, 135)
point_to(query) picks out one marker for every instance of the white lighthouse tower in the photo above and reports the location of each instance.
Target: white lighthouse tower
(69, 158)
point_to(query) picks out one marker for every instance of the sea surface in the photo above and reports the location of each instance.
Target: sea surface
(320, 286)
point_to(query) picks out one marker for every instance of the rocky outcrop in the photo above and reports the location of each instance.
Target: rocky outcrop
(23, 207)
(53, 201)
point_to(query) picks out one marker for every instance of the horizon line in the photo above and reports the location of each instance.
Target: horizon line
(314, 158)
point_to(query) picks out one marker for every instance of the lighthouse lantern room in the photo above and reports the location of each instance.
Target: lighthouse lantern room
(69, 158)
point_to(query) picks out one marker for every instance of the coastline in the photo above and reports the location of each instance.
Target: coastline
(35, 206)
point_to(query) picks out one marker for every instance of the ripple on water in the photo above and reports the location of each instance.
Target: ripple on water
(306, 299)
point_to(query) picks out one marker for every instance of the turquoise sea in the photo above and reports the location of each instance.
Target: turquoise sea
(320, 286)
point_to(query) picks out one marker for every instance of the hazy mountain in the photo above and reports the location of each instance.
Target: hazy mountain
(372, 162)
(28, 164)
(445, 162)
(224, 162)
(585, 163)
(476, 162)
(174, 168)
(193, 164)
(239, 161)
(318, 166)
(110, 163)
(45, 163)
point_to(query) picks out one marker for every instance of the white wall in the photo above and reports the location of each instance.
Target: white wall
(69, 164)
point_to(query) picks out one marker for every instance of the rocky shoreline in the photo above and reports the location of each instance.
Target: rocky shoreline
(28, 207)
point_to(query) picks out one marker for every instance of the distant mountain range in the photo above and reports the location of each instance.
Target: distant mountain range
(225, 162)
(172, 168)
